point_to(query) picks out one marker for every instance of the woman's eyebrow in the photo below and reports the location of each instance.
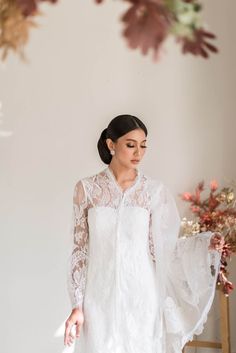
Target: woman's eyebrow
(135, 140)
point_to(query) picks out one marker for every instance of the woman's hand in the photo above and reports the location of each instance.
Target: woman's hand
(217, 242)
(76, 318)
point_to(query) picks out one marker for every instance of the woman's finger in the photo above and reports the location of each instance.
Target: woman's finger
(67, 331)
(78, 327)
(71, 338)
(71, 335)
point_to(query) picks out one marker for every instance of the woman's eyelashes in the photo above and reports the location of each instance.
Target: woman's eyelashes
(131, 146)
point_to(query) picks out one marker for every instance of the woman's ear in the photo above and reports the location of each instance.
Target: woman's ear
(110, 144)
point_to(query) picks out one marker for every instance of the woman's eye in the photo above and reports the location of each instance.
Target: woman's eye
(131, 146)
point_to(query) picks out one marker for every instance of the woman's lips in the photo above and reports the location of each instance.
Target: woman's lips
(134, 160)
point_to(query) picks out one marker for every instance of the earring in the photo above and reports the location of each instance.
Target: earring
(112, 152)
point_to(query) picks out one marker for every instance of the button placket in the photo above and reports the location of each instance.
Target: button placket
(117, 265)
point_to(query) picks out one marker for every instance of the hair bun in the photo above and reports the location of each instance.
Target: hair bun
(103, 148)
(104, 134)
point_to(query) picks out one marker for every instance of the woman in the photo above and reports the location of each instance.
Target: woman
(135, 287)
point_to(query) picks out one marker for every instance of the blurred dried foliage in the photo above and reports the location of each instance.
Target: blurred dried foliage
(147, 24)
(14, 28)
(16, 20)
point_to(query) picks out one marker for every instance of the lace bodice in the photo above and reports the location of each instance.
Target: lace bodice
(102, 190)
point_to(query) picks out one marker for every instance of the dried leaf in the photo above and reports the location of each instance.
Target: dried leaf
(146, 25)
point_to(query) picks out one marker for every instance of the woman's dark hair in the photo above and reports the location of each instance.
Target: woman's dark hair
(118, 126)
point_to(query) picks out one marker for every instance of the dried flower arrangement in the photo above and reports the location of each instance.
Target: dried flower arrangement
(216, 213)
(147, 23)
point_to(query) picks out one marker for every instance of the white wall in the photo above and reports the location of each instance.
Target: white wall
(80, 76)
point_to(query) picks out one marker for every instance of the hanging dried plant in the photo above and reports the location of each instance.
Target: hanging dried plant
(14, 29)
(16, 21)
(147, 24)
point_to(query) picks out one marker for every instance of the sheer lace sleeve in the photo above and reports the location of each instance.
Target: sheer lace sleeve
(78, 260)
(164, 223)
(150, 241)
(186, 274)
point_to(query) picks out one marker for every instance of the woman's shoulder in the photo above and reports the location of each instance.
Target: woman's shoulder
(157, 188)
(160, 193)
(90, 179)
(154, 184)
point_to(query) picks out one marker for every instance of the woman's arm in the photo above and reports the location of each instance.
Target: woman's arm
(79, 254)
(78, 263)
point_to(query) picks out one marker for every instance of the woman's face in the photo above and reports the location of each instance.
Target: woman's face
(129, 148)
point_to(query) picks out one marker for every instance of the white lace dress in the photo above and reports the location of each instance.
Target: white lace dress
(141, 288)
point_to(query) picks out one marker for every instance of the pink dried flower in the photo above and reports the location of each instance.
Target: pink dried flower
(195, 209)
(187, 196)
(213, 185)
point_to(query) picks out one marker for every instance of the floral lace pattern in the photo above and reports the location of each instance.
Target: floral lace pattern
(79, 256)
(99, 190)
